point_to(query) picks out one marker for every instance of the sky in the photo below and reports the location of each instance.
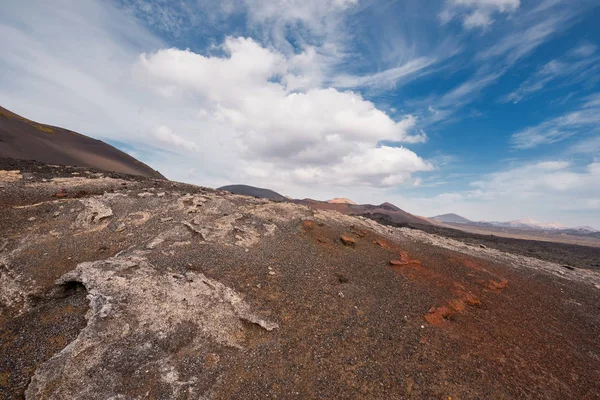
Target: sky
(485, 108)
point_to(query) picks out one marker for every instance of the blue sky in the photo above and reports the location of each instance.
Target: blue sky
(486, 108)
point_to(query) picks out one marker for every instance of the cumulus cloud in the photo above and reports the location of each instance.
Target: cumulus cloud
(379, 167)
(241, 111)
(254, 91)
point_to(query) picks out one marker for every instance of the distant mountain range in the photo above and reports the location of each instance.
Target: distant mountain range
(390, 212)
(387, 211)
(522, 224)
(21, 138)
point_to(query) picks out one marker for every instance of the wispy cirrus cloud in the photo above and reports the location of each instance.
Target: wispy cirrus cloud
(578, 64)
(531, 28)
(520, 43)
(580, 121)
(383, 79)
(589, 145)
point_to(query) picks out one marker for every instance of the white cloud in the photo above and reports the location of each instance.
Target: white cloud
(570, 66)
(476, 13)
(374, 167)
(530, 29)
(467, 90)
(261, 110)
(581, 121)
(585, 50)
(249, 113)
(542, 190)
(477, 19)
(165, 135)
(519, 44)
(270, 17)
(248, 91)
(589, 145)
(385, 78)
(291, 11)
(500, 5)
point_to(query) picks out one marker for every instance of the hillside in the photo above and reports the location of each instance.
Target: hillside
(254, 192)
(126, 287)
(24, 139)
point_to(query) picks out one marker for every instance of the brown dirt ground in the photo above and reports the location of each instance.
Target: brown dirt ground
(435, 324)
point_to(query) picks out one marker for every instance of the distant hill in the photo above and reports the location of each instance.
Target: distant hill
(389, 207)
(247, 190)
(387, 210)
(452, 218)
(340, 200)
(24, 139)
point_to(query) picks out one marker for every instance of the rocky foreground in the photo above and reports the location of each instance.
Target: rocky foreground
(115, 287)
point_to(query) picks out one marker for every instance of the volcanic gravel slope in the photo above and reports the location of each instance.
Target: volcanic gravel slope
(130, 288)
(24, 139)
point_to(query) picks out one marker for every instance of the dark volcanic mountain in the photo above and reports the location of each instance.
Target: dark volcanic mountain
(261, 193)
(24, 139)
(452, 218)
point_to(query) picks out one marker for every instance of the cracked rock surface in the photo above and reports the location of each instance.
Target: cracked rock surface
(119, 287)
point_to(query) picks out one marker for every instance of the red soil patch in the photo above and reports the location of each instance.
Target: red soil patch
(307, 225)
(398, 263)
(347, 240)
(359, 232)
(460, 281)
(438, 315)
(496, 285)
(381, 243)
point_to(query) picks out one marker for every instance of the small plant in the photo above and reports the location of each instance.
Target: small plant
(42, 128)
